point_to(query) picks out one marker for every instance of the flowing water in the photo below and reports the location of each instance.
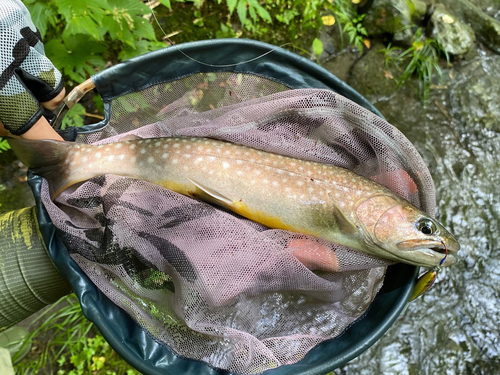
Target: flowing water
(453, 329)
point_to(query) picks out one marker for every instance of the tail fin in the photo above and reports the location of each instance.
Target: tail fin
(46, 158)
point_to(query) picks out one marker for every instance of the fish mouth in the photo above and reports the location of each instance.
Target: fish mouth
(431, 253)
(435, 246)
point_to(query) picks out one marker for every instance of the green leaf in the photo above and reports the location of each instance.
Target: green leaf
(242, 11)
(74, 117)
(42, 15)
(231, 4)
(132, 7)
(4, 145)
(263, 13)
(317, 46)
(77, 55)
(166, 3)
(143, 29)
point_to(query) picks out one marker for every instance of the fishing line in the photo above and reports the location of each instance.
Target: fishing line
(204, 63)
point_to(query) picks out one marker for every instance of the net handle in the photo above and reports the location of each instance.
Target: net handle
(69, 101)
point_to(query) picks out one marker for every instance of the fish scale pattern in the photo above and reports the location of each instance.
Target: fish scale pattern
(212, 285)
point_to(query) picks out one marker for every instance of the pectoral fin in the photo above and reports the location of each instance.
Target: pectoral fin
(211, 195)
(344, 224)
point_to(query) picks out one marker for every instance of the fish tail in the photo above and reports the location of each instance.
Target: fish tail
(46, 158)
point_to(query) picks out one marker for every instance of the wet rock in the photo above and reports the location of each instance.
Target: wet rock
(487, 28)
(394, 17)
(476, 94)
(455, 36)
(372, 77)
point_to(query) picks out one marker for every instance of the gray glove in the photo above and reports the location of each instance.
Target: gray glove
(28, 77)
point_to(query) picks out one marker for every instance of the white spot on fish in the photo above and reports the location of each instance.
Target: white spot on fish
(275, 183)
(121, 157)
(132, 146)
(225, 165)
(185, 168)
(148, 140)
(157, 144)
(140, 142)
(187, 156)
(164, 155)
(178, 151)
(143, 151)
(118, 145)
(133, 159)
(239, 173)
(98, 155)
(310, 190)
(188, 147)
(175, 161)
(151, 160)
(176, 145)
(300, 183)
(252, 182)
(200, 148)
(111, 157)
(265, 181)
(239, 162)
(184, 140)
(211, 158)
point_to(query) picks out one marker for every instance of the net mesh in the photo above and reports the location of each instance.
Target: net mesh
(210, 284)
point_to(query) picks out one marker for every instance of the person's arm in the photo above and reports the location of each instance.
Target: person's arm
(28, 80)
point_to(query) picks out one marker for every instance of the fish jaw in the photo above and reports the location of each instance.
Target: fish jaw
(391, 227)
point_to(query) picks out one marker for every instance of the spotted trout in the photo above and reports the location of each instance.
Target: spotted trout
(280, 192)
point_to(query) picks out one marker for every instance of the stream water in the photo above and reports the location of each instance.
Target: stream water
(453, 329)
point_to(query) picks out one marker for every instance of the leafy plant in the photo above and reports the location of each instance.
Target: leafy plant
(4, 145)
(350, 22)
(421, 59)
(74, 346)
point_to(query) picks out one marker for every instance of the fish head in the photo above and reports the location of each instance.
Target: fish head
(397, 230)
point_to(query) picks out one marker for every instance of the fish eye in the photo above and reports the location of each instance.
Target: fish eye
(426, 226)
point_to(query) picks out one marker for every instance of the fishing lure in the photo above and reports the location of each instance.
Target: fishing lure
(425, 282)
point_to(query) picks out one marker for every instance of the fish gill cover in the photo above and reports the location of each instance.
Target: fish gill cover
(210, 284)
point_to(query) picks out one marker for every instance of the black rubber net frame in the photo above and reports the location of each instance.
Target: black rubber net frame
(126, 336)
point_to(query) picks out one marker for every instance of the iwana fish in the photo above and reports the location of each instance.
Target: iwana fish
(279, 192)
